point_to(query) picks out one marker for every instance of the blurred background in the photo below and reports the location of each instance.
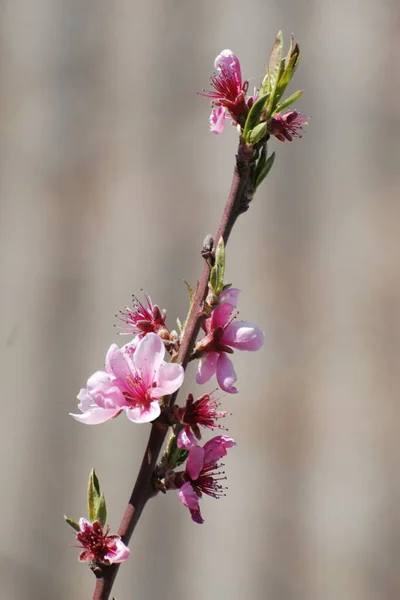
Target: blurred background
(109, 181)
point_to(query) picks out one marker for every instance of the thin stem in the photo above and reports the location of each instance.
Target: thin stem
(240, 195)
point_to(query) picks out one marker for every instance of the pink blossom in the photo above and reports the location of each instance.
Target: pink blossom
(228, 98)
(141, 319)
(98, 546)
(135, 379)
(286, 126)
(201, 476)
(224, 332)
(204, 412)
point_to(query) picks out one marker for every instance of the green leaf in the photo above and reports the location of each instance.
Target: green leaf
(290, 66)
(275, 70)
(275, 63)
(264, 170)
(190, 290)
(220, 261)
(173, 456)
(217, 273)
(101, 510)
(290, 100)
(180, 326)
(93, 495)
(257, 133)
(73, 523)
(253, 118)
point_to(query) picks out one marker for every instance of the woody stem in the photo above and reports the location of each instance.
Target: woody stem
(240, 195)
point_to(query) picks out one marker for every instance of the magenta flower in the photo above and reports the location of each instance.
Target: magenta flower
(224, 332)
(141, 320)
(201, 475)
(204, 412)
(228, 98)
(135, 379)
(287, 125)
(98, 546)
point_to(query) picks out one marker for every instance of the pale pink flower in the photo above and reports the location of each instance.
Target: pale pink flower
(228, 98)
(201, 474)
(135, 379)
(204, 412)
(286, 126)
(98, 546)
(224, 332)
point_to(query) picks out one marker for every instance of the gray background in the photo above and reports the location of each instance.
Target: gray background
(109, 181)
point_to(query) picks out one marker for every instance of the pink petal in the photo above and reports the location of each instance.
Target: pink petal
(243, 336)
(207, 367)
(217, 119)
(140, 415)
(95, 416)
(169, 379)
(104, 391)
(221, 315)
(231, 296)
(84, 523)
(188, 496)
(226, 375)
(216, 448)
(149, 356)
(117, 364)
(194, 462)
(190, 499)
(229, 61)
(121, 553)
(185, 439)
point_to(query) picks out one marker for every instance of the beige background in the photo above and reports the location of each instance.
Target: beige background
(109, 182)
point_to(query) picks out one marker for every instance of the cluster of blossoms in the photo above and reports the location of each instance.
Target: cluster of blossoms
(229, 100)
(136, 379)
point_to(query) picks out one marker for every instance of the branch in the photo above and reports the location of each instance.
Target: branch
(240, 195)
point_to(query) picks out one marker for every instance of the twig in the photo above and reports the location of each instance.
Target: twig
(240, 195)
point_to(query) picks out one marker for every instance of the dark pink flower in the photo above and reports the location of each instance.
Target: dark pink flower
(201, 474)
(287, 125)
(135, 379)
(141, 319)
(204, 412)
(228, 98)
(224, 332)
(98, 546)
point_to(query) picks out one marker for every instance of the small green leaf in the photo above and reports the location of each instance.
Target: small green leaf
(264, 170)
(101, 510)
(93, 495)
(290, 66)
(180, 326)
(257, 133)
(73, 523)
(290, 100)
(253, 118)
(217, 273)
(275, 63)
(190, 290)
(220, 261)
(173, 456)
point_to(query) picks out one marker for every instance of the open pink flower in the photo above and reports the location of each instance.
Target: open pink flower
(135, 379)
(201, 475)
(98, 546)
(228, 98)
(204, 412)
(141, 319)
(224, 332)
(286, 126)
